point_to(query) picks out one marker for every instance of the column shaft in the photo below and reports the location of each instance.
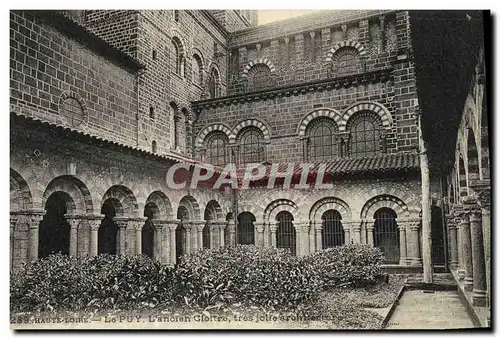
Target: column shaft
(478, 265)
(402, 245)
(467, 252)
(453, 247)
(415, 244)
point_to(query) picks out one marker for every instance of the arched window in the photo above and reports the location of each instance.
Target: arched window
(153, 147)
(217, 152)
(285, 234)
(333, 232)
(197, 76)
(259, 77)
(251, 145)
(345, 61)
(386, 235)
(151, 113)
(245, 231)
(214, 84)
(365, 135)
(176, 15)
(178, 58)
(176, 120)
(321, 145)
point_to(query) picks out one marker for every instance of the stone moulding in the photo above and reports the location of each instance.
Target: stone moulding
(378, 76)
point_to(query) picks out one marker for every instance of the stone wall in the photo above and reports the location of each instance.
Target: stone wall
(54, 78)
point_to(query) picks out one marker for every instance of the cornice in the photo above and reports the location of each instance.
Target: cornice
(294, 90)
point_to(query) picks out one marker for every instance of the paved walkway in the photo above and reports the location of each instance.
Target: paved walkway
(438, 310)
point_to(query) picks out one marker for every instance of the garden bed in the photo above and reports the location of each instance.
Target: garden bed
(230, 287)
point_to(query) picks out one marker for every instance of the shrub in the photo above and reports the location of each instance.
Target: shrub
(348, 265)
(59, 282)
(266, 277)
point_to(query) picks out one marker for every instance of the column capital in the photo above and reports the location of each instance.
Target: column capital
(259, 226)
(221, 224)
(74, 219)
(121, 222)
(32, 217)
(318, 226)
(173, 224)
(159, 223)
(138, 223)
(482, 191)
(13, 220)
(273, 226)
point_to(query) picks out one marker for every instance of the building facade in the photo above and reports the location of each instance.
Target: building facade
(104, 102)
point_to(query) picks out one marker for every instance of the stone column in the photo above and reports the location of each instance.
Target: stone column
(452, 231)
(158, 226)
(172, 226)
(137, 224)
(189, 228)
(266, 235)
(370, 226)
(318, 230)
(482, 189)
(74, 222)
(200, 225)
(221, 226)
(273, 227)
(259, 235)
(312, 237)
(33, 217)
(347, 232)
(478, 265)
(231, 227)
(461, 267)
(466, 249)
(94, 221)
(414, 225)
(121, 235)
(356, 229)
(214, 234)
(13, 221)
(303, 238)
(402, 242)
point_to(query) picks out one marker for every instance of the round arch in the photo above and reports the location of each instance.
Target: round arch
(372, 106)
(320, 112)
(265, 61)
(163, 204)
(329, 203)
(272, 210)
(250, 122)
(346, 43)
(81, 200)
(191, 205)
(213, 211)
(125, 197)
(472, 156)
(200, 139)
(20, 193)
(387, 201)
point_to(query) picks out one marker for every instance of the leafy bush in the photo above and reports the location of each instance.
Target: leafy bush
(91, 283)
(246, 274)
(210, 278)
(349, 265)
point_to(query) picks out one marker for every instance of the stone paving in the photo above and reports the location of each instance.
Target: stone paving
(438, 310)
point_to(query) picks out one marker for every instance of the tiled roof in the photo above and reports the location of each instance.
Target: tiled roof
(382, 163)
(73, 133)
